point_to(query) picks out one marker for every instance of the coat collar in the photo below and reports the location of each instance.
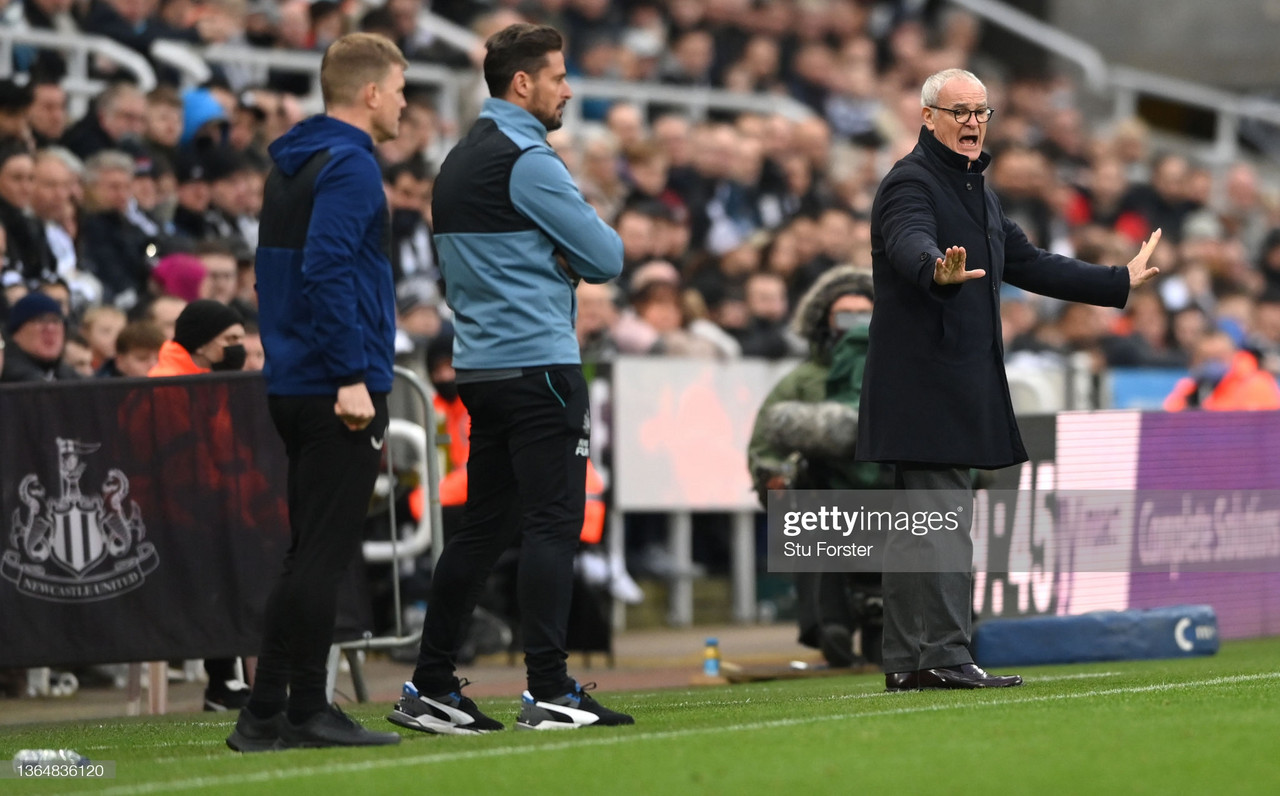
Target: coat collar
(937, 152)
(513, 115)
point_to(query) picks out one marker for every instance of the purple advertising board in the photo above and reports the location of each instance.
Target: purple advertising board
(1231, 458)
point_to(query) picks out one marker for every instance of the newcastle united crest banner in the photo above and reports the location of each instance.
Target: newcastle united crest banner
(139, 519)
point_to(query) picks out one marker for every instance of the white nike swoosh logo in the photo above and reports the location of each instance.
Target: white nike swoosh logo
(376, 442)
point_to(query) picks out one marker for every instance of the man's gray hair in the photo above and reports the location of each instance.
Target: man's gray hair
(62, 155)
(106, 160)
(934, 83)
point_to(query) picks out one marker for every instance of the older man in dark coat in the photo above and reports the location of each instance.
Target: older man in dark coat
(935, 399)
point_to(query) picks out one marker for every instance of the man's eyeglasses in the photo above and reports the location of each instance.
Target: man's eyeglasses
(962, 115)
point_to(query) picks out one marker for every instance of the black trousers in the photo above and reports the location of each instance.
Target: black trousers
(331, 475)
(529, 449)
(928, 579)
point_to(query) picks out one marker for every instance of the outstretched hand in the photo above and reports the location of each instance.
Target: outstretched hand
(1138, 270)
(949, 269)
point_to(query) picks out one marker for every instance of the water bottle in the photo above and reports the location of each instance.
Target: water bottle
(711, 658)
(30, 757)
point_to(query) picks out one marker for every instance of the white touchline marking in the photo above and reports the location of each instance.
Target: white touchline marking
(681, 704)
(280, 774)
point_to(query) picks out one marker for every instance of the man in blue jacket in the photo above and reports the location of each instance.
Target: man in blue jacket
(514, 235)
(327, 315)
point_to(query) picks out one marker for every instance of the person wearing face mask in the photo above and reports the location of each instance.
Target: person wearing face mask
(208, 336)
(804, 438)
(1223, 379)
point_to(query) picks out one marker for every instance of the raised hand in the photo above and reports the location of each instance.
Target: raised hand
(1138, 270)
(949, 269)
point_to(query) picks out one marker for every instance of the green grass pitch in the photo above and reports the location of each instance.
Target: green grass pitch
(1202, 726)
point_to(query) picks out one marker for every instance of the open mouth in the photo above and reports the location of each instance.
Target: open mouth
(967, 140)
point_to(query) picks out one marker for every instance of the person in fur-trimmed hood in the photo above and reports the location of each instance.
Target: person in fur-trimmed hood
(804, 438)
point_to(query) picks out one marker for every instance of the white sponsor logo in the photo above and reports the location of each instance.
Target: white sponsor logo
(376, 442)
(77, 547)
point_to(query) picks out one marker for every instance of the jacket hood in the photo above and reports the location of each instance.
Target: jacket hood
(293, 149)
(199, 107)
(813, 307)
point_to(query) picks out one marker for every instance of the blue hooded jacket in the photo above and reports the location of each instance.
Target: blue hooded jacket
(326, 295)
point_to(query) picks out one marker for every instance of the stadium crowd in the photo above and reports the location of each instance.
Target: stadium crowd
(150, 200)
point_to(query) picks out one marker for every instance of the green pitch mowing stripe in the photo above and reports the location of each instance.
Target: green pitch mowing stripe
(1204, 725)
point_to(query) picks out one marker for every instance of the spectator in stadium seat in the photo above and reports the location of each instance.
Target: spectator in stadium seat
(1163, 203)
(117, 120)
(1224, 379)
(767, 312)
(137, 350)
(15, 103)
(163, 312)
(191, 220)
(164, 123)
(597, 317)
(181, 275)
(112, 248)
(413, 253)
(37, 332)
(934, 401)
(77, 356)
(29, 258)
(100, 327)
(48, 113)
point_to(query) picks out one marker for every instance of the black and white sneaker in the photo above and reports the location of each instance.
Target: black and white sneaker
(331, 727)
(446, 714)
(568, 712)
(229, 695)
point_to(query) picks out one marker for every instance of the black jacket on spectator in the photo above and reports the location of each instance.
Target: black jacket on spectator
(191, 225)
(28, 249)
(86, 137)
(761, 338)
(935, 390)
(115, 251)
(20, 366)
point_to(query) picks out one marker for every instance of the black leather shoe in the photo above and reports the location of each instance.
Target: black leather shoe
(966, 675)
(901, 681)
(331, 727)
(253, 734)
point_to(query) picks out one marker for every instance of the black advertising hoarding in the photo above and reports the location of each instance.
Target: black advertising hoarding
(142, 519)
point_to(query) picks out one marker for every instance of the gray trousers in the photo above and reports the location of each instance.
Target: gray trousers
(928, 579)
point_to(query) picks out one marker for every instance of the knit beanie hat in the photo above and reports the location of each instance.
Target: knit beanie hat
(30, 307)
(180, 275)
(201, 321)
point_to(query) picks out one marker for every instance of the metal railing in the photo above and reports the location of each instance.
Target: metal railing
(1124, 85)
(77, 49)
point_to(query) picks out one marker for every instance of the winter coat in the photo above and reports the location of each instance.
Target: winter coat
(935, 389)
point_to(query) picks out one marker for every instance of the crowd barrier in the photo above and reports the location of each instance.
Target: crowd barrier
(679, 439)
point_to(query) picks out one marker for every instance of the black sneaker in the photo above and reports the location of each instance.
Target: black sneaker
(253, 734)
(229, 695)
(446, 714)
(331, 727)
(569, 712)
